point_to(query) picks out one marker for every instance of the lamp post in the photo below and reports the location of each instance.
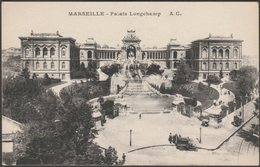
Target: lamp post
(130, 137)
(200, 135)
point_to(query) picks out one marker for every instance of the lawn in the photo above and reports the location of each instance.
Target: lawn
(89, 90)
(231, 86)
(206, 96)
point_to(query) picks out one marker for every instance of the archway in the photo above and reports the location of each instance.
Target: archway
(131, 51)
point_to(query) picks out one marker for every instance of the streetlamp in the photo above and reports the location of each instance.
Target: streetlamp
(200, 135)
(130, 137)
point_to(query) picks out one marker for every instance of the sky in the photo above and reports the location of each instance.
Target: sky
(197, 20)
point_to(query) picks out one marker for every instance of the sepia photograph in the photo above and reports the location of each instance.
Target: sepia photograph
(130, 83)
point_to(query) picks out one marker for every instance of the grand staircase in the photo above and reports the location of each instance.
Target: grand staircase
(137, 88)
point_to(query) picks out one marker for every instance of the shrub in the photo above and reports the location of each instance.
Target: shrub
(107, 107)
(201, 86)
(213, 79)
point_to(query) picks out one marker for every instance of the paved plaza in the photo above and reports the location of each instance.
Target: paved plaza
(154, 129)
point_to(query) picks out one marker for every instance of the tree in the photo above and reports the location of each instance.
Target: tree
(110, 70)
(25, 73)
(62, 134)
(18, 94)
(34, 76)
(154, 69)
(221, 74)
(247, 78)
(183, 73)
(110, 156)
(213, 79)
(233, 75)
(82, 67)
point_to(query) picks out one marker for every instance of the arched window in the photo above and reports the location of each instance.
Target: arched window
(26, 52)
(89, 54)
(27, 64)
(204, 53)
(220, 53)
(235, 65)
(37, 52)
(174, 65)
(37, 65)
(235, 53)
(63, 52)
(175, 55)
(52, 52)
(204, 65)
(227, 65)
(44, 65)
(52, 65)
(214, 66)
(214, 53)
(45, 52)
(63, 65)
(221, 65)
(227, 53)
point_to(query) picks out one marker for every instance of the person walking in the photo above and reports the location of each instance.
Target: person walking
(123, 157)
(140, 116)
(170, 138)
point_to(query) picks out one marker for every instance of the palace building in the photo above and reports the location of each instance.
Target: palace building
(58, 56)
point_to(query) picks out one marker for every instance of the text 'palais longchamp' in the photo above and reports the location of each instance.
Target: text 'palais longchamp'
(137, 14)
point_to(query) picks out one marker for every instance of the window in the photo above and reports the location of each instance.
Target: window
(235, 53)
(214, 66)
(114, 55)
(63, 65)
(44, 65)
(220, 53)
(204, 65)
(45, 52)
(174, 65)
(175, 55)
(37, 65)
(26, 52)
(221, 65)
(37, 52)
(63, 52)
(27, 64)
(235, 65)
(52, 65)
(89, 54)
(214, 53)
(204, 53)
(227, 53)
(52, 52)
(227, 65)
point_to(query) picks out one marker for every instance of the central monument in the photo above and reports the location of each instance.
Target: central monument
(131, 49)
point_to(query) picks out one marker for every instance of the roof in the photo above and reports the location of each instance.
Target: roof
(10, 126)
(96, 114)
(46, 36)
(218, 38)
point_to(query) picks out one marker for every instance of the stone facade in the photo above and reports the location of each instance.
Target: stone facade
(208, 56)
(49, 53)
(58, 56)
